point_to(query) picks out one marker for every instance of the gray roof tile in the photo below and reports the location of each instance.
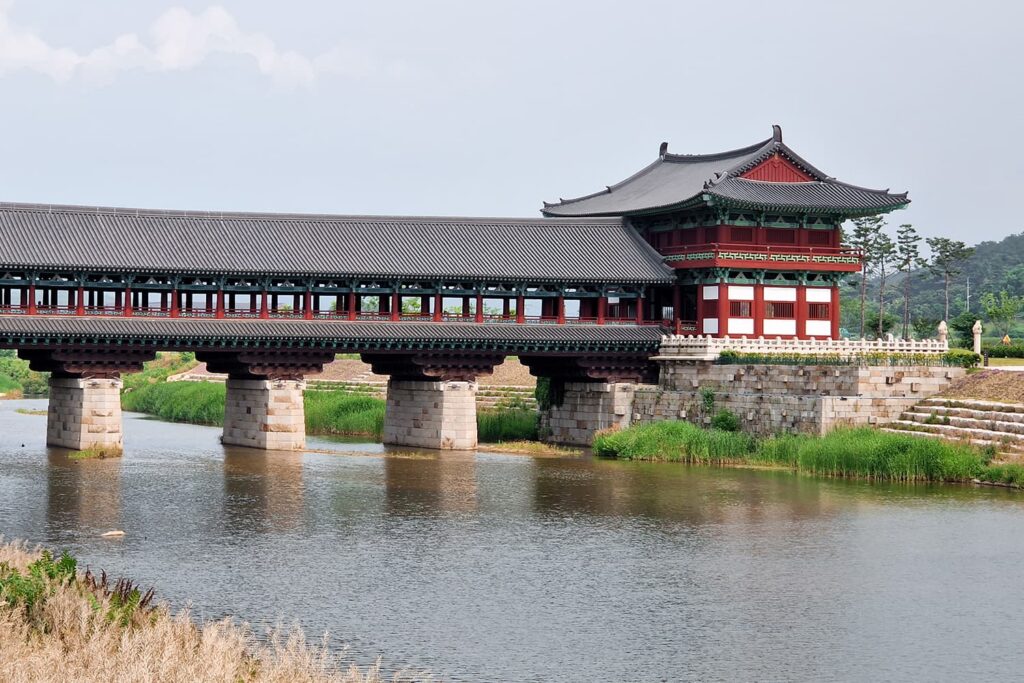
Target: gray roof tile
(516, 249)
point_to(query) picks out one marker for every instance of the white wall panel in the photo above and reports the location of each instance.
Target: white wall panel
(710, 292)
(777, 328)
(738, 293)
(741, 326)
(819, 295)
(819, 328)
(710, 325)
(780, 293)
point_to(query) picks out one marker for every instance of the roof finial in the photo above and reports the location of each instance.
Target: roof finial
(776, 133)
(663, 150)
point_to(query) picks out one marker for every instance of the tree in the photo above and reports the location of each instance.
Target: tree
(946, 261)
(925, 328)
(883, 323)
(1002, 310)
(908, 257)
(865, 232)
(883, 253)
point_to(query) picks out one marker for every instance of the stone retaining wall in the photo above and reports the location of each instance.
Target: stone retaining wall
(431, 414)
(84, 413)
(586, 408)
(789, 398)
(267, 414)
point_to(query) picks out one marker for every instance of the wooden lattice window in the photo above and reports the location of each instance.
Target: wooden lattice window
(711, 234)
(739, 309)
(819, 238)
(781, 236)
(819, 312)
(741, 234)
(779, 309)
(711, 309)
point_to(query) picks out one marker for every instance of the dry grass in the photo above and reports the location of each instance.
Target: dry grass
(1002, 386)
(69, 636)
(530, 448)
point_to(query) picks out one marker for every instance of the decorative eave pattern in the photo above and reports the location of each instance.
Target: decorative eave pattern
(813, 197)
(341, 337)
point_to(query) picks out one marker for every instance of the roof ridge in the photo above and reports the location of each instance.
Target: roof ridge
(287, 216)
(828, 181)
(716, 156)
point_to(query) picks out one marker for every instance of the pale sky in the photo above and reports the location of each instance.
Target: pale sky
(488, 108)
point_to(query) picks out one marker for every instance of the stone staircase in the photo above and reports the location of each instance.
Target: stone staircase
(981, 423)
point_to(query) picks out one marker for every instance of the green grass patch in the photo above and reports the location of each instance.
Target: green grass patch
(506, 424)
(343, 413)
(192, 402)
(30, 411)
(860, 452)
(95, 453)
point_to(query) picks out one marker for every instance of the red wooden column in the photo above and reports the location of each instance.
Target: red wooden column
(700, 309)
(640, 309)
(520, 309)
(677, 304)
(479, 308)
(602, 309)
(32, 300)
(465, 307)
(834, 311)
(396, 307)
(758, 310)
(307, 305)
(506, 308)
(219, 313)
(174, 303)
(723, 308)
(127, 302)
(264, 307)
(424, 305)
(350, 305)
(438, 304)
(560, 310)
(801, 311)
(80, 301)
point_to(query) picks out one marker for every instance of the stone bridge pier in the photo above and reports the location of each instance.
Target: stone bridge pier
(431, 399)
(588, 394)
(85, 394)
(264, 403)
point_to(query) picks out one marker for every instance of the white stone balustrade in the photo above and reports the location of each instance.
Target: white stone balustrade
(685, 347)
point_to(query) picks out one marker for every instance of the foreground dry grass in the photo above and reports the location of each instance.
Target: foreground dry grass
(70, 636)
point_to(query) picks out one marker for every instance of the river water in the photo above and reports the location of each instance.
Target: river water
(489, 567)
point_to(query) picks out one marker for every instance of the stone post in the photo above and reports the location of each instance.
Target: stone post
(84, 413)
(977, 336)
(943, 333)
(266, 414)
(431, 414)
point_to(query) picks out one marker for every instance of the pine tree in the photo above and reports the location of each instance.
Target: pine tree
(883, 255)
(907, 258)
(946, 261)
(865, 233)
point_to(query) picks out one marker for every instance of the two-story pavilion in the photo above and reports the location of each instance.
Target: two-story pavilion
(753, 235)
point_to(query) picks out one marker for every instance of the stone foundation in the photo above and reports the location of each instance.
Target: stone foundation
(431, 414)
(789, 398)
(586, 408)
(265, 414)
(84, 413)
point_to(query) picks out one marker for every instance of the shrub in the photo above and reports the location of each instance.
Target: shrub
(725, 420)
(515, 424)
(1000, 351)
(961, 358)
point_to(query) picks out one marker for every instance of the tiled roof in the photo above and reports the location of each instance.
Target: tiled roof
(204, 333)
(676, 181)
(528, 250)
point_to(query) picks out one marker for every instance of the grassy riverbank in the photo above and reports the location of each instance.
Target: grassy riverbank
(335, 413)
(57, 624)
(861, 452)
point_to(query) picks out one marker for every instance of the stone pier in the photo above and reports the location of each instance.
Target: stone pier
(431, 414)
(265, 413)
(84, 413)
(586, 408)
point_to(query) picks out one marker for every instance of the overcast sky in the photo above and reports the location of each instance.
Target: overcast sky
(488, 108)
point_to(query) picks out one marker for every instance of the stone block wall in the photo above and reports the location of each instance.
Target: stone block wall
(586, 408)
(789, 398)
(431, 414)
(265, 414)
(84, 413)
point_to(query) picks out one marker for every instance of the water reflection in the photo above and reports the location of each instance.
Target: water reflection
(81, 494)
(430, 483)
(263, 490)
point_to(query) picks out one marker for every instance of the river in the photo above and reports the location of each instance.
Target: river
(490, 567)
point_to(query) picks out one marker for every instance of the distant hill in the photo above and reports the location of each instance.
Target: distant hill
(993, 267)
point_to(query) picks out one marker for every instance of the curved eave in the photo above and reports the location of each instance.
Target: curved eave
(850, 211)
